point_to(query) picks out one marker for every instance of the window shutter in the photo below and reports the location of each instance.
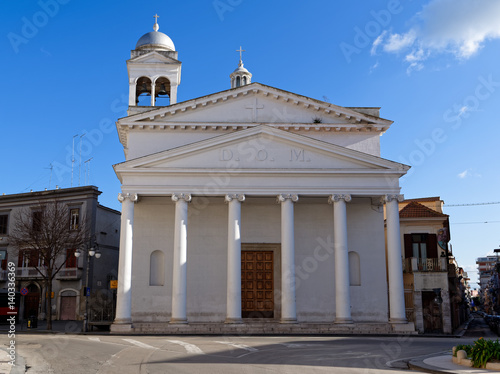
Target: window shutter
(432, 246)
(408, 246)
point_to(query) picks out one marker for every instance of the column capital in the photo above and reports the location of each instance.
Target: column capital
(338, 197)
(389, 198)
(283, 197)
(230, 197)
(181, 196)
(133, 197)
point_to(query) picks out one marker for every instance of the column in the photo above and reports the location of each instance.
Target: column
(153, 89)
(124, 294)
(233, 314)
(131, 93)
(288, 305)
(342, 292)
(179, 283)
(173, 93)
(394, 260)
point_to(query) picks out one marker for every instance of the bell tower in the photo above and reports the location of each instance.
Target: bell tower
(240, 76)
(153, 71)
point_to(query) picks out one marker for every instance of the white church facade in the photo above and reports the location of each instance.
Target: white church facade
(253, 210)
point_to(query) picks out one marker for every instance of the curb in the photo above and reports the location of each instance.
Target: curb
(420, 365)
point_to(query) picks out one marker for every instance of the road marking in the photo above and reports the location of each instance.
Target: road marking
(240, 346)
(301, 345)
(94, 339)
(190, 348)
(139, 344)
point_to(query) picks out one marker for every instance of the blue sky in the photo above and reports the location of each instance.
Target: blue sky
(433, 67)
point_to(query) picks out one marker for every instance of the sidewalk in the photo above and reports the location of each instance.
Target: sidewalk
(443, 364)
(69, 327)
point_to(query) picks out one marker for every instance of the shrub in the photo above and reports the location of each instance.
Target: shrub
(484, 351)
(481, 351)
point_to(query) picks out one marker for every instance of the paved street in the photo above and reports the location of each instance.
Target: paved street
(47, 353)
(104, 353)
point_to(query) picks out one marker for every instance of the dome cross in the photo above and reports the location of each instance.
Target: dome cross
(156, 26)
(240, 50)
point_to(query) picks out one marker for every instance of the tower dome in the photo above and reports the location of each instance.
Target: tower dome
(155, 40)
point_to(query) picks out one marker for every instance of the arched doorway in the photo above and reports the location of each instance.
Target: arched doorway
(32, 301)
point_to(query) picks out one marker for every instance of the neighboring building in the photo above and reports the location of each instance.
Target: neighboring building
(253, 205)
(485, 267)
(489, 283)
(69, 283)
(433, 300)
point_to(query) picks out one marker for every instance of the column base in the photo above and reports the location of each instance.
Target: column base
(117, 327)
(233, 321)
(182, 321)
(288, 320)
(343, 321)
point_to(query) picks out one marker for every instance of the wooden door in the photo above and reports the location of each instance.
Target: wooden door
(68, 308)
(432, 313)
(257, 284)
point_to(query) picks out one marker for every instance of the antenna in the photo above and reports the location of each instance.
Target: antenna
(73, 159)
(80, 164)
(87, 171)
(50, 179)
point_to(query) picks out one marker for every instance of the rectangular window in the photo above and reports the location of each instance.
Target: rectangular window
(4, 220)
(74, 217)
(419, 244)
(29, 258)
(37, 220)
(70, 258)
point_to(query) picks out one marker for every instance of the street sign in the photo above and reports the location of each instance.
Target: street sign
(113, 284)
(87, 291)
(24, 291)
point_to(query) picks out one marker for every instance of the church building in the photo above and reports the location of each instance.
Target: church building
(253, 210)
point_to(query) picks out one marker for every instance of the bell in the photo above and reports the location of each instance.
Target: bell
(144, 88)
(162, 91)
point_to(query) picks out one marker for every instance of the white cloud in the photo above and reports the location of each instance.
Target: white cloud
(398, 42)
(372, 68)
(468, 173)
(457, 27)
(377, 42)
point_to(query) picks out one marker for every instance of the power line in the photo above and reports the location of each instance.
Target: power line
(470, 223)
(472, 204)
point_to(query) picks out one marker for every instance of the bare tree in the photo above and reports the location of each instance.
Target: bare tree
(43, 234)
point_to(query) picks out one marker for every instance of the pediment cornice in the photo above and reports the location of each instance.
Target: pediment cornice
(169, 118)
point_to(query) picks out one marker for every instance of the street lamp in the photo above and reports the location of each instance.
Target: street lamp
(91, 252)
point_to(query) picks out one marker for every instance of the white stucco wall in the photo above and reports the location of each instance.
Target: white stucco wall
(261, 222)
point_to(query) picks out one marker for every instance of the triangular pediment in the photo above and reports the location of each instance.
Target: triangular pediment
(258, 104)
(261, 148)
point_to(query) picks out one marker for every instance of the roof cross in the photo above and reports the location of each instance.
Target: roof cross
(240, 50)
(156, 27)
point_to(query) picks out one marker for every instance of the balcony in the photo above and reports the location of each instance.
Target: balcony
(29, 272)
(414, 264)
(69, 274)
